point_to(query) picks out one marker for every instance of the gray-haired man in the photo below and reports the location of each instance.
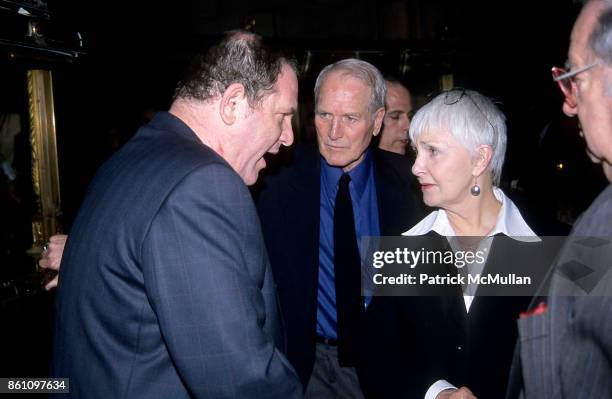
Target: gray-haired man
(300, 212)
(565, 344)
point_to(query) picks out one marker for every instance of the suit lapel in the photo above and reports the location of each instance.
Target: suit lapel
(451, 300)
(455, 304)
(301, 207)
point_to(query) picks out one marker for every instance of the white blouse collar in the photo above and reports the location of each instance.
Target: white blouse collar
(509, 222)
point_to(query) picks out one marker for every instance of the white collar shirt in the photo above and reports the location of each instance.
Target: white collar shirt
(510, 222)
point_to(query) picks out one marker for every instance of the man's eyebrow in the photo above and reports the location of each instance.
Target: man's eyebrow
(290, 111)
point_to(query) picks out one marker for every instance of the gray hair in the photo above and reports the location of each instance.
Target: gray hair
(240, 57)
(361, 70)
(471, 118)
(600, 40)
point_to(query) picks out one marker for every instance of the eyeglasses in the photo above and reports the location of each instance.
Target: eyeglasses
(453, 96)
(567, 84)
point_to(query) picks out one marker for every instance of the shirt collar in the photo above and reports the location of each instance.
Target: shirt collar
(509, 222)
(359, 175)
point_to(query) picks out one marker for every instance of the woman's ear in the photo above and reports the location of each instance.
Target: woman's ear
(233, 103)
(481, 159)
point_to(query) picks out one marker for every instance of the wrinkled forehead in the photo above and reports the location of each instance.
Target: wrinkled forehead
(398, 97)
(344, 89)
(290, 81)
(347, 80)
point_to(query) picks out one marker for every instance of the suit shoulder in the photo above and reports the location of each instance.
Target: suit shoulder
(596, 219)
(149, 168)
(391, 156)
(173, 153)
(302, 170)
(602, 206)
(392, 164)
(214, 174)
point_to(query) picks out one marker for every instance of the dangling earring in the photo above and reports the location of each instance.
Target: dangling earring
(475, 190)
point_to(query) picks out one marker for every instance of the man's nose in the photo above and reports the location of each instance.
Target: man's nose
(404, 123)
(335, 130)
(286, 137)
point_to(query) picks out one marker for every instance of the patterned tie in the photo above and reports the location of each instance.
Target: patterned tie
(347, 269)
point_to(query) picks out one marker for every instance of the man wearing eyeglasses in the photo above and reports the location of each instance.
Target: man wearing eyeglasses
(565, 339)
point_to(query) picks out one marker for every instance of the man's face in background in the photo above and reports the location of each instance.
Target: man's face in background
(398, 104)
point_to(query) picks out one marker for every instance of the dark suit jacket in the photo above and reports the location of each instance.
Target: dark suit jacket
(165, 289)
(566, 352)
(415, 340)
(289, 207)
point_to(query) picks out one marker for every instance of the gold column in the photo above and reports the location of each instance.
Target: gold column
(45, 172)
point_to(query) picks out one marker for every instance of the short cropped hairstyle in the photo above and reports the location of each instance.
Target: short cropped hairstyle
(394, 80)
(471, 118)
(361, 70)
(240, 57)
(600, 40)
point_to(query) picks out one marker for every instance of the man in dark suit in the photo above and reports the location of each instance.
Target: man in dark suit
(565, 342)
(298, 210)
(165, 289)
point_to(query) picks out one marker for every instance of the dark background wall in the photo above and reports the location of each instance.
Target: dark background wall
(135, 52)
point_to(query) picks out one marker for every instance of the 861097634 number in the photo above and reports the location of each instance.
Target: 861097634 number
(34, 385)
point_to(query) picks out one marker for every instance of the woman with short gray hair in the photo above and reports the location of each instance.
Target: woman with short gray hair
(472, 119)
(427, 345)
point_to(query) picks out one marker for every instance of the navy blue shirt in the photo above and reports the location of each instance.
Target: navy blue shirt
(365, 209)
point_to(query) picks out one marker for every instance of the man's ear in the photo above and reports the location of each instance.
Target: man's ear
(378, 119)
(234, 103)
(482, 158)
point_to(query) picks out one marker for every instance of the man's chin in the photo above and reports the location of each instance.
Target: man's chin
(250, 176)
(260, 164)
(250, 180)
(335, 161)
(592, 156)
(607, 169)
